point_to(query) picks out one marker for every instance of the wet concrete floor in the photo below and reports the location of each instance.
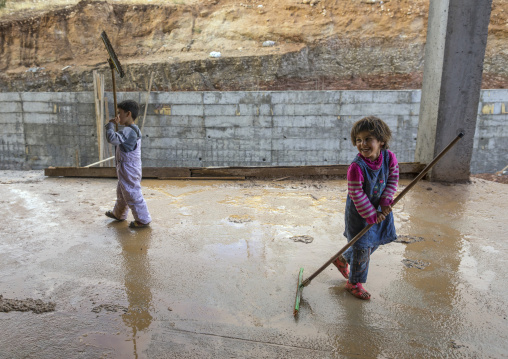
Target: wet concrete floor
(215, 275)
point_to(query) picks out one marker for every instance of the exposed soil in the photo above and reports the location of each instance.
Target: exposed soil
(25, 305)
(494, 177)
(327, 44)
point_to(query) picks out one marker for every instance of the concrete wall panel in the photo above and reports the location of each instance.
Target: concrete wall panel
(10, 97)
(12, 117)
(8, 107)
(199, 129)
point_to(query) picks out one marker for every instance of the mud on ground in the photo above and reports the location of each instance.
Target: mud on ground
(216, 273)
(24, 305)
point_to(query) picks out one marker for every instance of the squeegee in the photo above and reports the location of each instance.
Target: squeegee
(303, 283)
(114, 64)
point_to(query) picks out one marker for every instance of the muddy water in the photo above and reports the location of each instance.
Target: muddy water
(215, 275)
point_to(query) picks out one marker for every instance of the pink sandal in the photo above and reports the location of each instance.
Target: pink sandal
(357, 290)
(342, 266)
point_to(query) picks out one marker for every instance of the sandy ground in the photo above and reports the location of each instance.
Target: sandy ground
(215, 275)
(54, 45)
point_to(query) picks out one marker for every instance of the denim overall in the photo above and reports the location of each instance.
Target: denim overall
(128, 191)
(358, 256)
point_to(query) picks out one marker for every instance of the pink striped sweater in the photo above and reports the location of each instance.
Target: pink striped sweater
(355, 181)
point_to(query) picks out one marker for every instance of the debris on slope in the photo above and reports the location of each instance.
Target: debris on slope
(286, 44)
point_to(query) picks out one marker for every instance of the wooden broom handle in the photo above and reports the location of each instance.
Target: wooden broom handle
(112, 66)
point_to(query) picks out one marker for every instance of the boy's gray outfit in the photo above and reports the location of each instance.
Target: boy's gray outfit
(127, 144)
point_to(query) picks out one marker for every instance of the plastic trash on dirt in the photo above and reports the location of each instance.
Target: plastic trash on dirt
(215, 54)
(268, 43)
(35, 69)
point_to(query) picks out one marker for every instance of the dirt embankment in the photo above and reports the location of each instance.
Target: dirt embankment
(333, 44)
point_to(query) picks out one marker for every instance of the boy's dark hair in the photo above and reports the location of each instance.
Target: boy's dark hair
(130, 105)
(374, 125)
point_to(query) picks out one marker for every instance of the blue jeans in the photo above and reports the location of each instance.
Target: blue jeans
(358, 259)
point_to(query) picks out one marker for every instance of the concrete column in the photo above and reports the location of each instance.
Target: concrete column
(454, 53)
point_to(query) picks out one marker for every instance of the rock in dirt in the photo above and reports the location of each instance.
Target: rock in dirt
(110, 308)
(456, 345)
(239, 219)
(305, 239)
(413, 263)
(408, 239)
(24, 305)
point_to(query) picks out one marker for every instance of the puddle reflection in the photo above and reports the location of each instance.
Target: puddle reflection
(137, 280)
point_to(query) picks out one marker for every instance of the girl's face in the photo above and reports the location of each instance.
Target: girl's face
(368, 145)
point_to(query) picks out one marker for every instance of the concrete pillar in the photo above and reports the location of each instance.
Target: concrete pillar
(454, 53)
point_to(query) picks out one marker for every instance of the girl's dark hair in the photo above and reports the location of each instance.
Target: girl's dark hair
(375, 126)
(130, 105)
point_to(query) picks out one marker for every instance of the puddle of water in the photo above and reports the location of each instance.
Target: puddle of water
(120, 345)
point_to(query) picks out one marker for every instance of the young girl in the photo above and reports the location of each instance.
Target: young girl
(372, 178)
(127, 144)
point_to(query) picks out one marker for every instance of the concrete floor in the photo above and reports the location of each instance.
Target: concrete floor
(215, 276)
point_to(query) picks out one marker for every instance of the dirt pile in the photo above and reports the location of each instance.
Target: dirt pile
(492, 177)
(25, 305)
(286, 44)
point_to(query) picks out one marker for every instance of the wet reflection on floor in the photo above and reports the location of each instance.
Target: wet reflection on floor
(215, 275)
(137, 281)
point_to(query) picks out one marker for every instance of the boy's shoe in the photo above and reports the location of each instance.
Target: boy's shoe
(357, 290)
(342, 266)
(111, 215)
(136, 224)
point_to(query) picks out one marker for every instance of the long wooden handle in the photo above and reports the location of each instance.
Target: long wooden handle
(307, 281)
(114, 90)
(147, 99)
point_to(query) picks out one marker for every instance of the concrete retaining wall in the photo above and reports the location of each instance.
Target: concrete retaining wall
(201, 129)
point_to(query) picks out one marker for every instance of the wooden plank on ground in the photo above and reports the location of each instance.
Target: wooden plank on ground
(406, 170)
(241, 178)
(156, 172)
(97, 172)
(409, 168)
(271, 172)
(110, 172)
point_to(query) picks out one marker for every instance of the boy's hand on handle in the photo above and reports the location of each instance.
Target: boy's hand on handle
(115, 120)
(386, 210)
(380, 217)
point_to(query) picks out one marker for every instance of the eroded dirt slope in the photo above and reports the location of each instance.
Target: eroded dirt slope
(327, 44)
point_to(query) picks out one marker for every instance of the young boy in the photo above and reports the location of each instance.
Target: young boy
(127, 144)
(372, 182)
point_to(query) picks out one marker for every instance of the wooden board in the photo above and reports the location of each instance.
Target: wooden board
(110, 172)
(156, 172)
(406, 170)
(204, 178)
(271, 172)
(97, 172)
